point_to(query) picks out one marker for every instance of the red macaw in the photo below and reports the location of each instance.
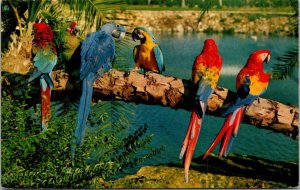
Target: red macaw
(205, 75)
(45, 59)
(251, 82)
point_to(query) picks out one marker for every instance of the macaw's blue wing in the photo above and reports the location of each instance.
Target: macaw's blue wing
(34, 76)
(202, 95)
(204, 90)
(159, 58)
(240, 102)
(45, 61)
(97, 51)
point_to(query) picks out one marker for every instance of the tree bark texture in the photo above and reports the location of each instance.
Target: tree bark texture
(155, 89)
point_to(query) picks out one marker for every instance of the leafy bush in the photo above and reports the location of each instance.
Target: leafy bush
(35, 159)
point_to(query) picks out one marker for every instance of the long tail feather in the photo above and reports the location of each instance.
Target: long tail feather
(239, 116)
(187, 136)
(218, 137)
(45, 106)
(83, 112)
(84, 109)
(225, 141)
(227, 133)
(190, 142)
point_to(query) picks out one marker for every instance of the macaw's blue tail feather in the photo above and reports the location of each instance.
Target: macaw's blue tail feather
(83, 112)
(227, 133)
(84, 109)
(34, 76)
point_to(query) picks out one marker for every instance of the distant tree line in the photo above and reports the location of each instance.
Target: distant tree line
(218, 3)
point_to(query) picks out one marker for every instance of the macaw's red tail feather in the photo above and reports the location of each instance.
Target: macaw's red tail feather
(218, 137)
(190, 142)
(227, 133)
(239, 116)
(45, 106)
(225, 141)
(187, 136)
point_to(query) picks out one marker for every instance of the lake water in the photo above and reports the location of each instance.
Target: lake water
(169, 125)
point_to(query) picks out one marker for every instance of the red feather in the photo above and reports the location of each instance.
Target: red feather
(43, 36)
(45, 106)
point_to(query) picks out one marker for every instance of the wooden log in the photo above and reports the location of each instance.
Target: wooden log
(173, 92)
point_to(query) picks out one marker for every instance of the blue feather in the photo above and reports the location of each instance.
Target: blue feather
(43, 83)
(204, 90)
(239, 103)
(34, 76)
(44, 61)
(48, 79)
(159, 58)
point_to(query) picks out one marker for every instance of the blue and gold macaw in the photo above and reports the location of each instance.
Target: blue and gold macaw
(147, 55)
(251, 82)
(97, 54)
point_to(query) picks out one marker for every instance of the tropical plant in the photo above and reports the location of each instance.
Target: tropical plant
(34, 159)
(288, 62)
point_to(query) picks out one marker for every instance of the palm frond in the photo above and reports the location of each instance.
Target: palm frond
(287, 64)
(91, 11)
(204, 10)
(33, 9)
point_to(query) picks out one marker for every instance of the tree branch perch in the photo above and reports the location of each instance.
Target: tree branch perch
(173, 92)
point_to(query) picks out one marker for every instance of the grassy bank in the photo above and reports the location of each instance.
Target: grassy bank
(235, 171)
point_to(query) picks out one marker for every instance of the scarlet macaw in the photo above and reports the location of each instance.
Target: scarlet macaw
(97, 53)
(205, 75)
(251, 82)
(45, 59)
(147, 55)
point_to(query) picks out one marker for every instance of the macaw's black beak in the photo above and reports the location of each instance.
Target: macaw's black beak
(137, 35)
(76, 30)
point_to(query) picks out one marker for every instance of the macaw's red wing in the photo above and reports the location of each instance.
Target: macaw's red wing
(45, 106)
(227, 133)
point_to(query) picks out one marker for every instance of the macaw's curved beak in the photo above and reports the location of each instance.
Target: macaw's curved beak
(137, 34)
(118, 34)
(267, 59)
(76, 30)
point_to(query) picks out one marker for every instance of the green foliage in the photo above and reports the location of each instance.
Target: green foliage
(289, 61)
(227, 3)
(229, 31)
(209, 30)
(287, 65)
(35, 159)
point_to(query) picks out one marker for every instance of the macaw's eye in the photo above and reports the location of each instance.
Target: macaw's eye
(117, 25)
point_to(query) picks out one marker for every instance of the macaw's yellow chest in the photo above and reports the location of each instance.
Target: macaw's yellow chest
(210, 74)
(146, 58)
(257, 87)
